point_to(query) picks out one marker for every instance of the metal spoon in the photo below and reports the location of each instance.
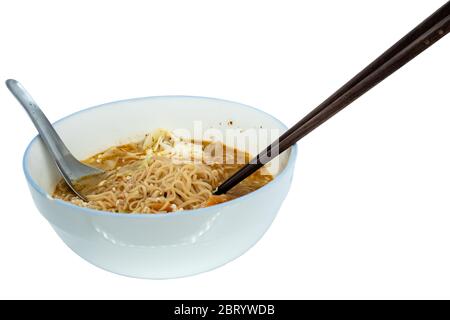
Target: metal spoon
(71, 169)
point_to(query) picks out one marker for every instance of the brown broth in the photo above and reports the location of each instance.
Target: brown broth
(116, 157)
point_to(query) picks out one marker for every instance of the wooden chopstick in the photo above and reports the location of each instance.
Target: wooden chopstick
(418, 40)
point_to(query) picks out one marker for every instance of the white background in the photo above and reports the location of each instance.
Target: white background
(368, 215)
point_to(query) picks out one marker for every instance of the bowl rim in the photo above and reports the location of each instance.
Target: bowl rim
(289, 166)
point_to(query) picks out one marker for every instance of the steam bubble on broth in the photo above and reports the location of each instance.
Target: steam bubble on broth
(162, 173)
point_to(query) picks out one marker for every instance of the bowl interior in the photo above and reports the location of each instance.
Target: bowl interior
(93, 130)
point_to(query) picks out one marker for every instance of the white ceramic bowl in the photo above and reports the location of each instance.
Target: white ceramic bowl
(159, 245)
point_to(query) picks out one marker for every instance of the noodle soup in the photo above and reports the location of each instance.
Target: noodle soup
(160, 174)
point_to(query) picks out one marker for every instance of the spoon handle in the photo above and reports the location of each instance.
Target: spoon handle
(51, 139)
